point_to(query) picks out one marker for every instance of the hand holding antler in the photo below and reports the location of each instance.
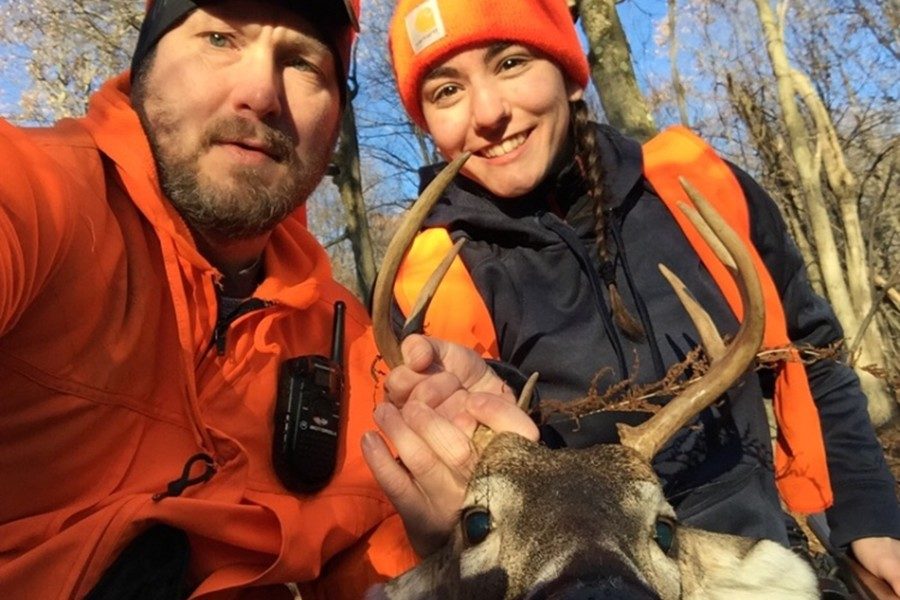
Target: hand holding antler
(447, 377)
(437, 398)
(438, 393)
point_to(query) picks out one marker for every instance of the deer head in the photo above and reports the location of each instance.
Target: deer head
(594, 523)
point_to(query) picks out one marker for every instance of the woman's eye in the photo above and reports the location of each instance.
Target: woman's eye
(445, 91)
(218, 40)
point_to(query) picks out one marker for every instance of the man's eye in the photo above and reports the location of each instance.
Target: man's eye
(299, 63)
(218, 40)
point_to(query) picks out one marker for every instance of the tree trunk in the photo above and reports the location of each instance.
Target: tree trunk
(809, 168)
(677, 86)
(770, 146)
(348, 181)
(612, 70)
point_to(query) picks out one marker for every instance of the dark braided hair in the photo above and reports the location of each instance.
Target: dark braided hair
(587, 153)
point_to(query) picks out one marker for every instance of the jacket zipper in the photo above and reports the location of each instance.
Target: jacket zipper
(219, 338)
(221, 330)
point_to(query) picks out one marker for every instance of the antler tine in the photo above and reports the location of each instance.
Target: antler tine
(709, 337)
(387, 343)
(414, 322)
(484, 434)
(649, 437)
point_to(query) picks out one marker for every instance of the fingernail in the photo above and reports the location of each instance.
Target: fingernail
(368, 441)
(378, 413)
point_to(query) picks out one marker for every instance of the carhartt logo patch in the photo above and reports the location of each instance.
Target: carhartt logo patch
(424, 25)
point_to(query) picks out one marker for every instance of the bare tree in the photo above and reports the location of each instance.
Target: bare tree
(677, 86)
(817, 156)
(348, 180)
(72, 47)
(611, 68)
(844, 98)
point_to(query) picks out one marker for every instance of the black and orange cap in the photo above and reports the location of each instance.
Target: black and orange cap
(337, 20)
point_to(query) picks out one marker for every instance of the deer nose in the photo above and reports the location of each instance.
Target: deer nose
(607, 586)
(595, 573)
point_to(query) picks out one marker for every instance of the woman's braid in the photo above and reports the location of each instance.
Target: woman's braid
(587, 154)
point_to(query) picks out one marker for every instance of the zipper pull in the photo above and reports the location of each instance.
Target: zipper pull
(177, 486)
(219, 337)
(220, 333)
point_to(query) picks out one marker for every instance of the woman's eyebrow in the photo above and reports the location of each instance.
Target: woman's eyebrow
(442, 71)
(495, 49)
(489, 54)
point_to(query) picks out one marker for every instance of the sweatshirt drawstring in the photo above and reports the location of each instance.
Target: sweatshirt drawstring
(568, 236)
(639, 303)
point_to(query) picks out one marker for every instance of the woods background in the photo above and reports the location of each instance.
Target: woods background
(802, 94)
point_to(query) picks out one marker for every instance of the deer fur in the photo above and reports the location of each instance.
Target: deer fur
(570, 522)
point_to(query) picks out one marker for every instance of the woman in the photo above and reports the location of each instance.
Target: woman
(566, 222)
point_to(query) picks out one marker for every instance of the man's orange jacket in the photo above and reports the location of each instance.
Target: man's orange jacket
(109, 382)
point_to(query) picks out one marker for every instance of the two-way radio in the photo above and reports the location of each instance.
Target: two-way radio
(308, 415)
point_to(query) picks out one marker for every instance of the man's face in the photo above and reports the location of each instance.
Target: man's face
(241, 104)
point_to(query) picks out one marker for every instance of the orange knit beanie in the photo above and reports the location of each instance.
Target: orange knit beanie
(424, 33)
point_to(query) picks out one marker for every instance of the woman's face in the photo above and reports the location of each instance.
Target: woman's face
(506, 104)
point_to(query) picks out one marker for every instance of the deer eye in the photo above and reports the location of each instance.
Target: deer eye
(664, 534)
(476, 525)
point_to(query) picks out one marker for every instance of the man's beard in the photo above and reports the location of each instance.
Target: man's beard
(245, 206)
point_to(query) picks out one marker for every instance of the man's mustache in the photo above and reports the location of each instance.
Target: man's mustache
(273, 142)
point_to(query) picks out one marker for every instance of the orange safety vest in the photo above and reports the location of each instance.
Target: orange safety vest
(800, 466)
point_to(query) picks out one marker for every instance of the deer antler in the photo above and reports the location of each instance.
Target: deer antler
(709, 336)
(387, 343)
(647, 438)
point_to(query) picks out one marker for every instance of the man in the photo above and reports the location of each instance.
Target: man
(155, 273)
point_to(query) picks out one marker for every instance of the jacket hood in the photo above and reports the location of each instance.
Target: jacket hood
(467, 206)
(295, 262)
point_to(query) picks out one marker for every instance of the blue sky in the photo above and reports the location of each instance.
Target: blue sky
(13, 80)
(638, 17)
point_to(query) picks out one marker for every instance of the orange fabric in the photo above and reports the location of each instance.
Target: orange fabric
(424, 33)
(801, 470)
(462, 315)
(363, 562)
(108, 384)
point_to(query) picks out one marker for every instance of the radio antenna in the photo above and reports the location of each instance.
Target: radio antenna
(337, 334)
